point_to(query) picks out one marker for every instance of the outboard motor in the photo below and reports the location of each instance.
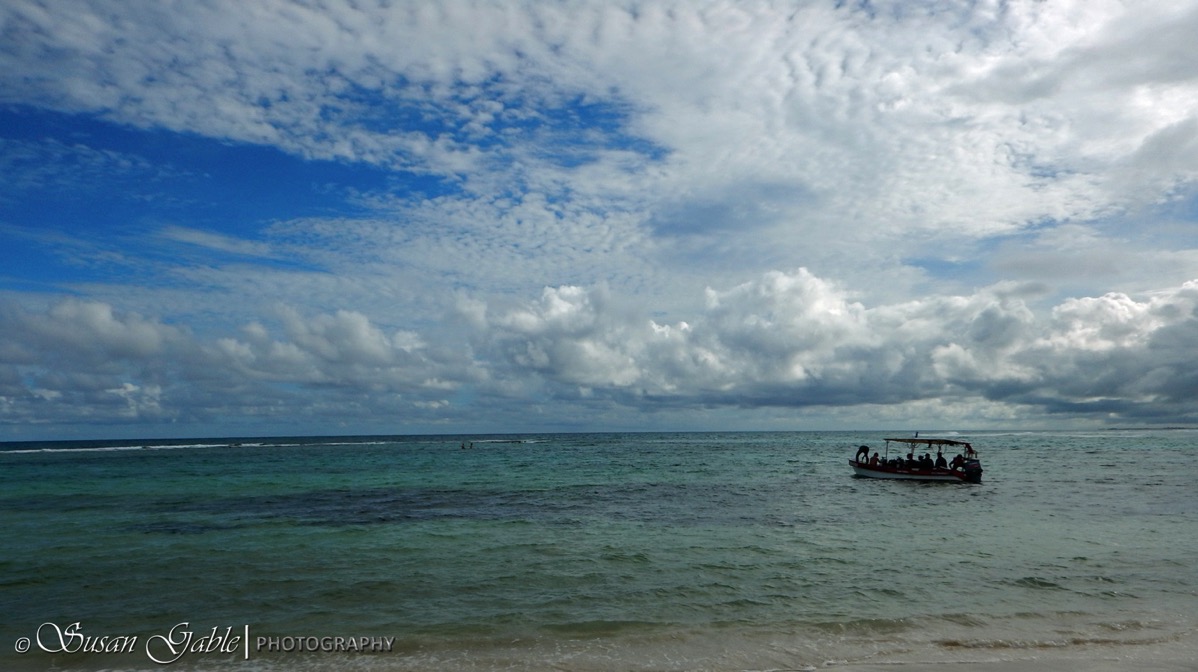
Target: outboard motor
(973, 471)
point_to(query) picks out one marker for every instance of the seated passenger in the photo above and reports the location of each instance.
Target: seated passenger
(873, 461)
(958, 462)
(941, 463)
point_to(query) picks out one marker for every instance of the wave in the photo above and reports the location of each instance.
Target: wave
(109, 447)
(1059, 643)
(1037, 583)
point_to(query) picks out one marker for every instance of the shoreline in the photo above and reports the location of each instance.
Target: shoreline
(1176, 654)
(674, 653)
(1071, 664)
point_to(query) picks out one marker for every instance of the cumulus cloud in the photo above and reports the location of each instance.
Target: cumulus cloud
(795, 340)
(81, 361)
(785, 340)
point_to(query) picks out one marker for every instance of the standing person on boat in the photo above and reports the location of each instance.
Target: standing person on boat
(862, 454)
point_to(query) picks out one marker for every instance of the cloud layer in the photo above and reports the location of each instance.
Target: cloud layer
(785, 341)
(483, 216)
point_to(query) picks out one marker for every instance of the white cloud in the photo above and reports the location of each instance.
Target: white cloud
(77, 359)
(215, 242)
(909, 118)
(569, 334)
(966, 190)
(791, 339)
(92, 332)
(784, 340)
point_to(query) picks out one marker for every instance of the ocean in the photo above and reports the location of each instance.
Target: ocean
(596, 552)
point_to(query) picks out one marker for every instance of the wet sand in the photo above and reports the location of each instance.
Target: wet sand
(1174, 657)
(1047, 665)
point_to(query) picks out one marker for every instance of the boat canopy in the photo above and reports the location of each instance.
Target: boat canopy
(932, 442)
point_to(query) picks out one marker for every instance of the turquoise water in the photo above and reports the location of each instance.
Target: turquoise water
(724, 551)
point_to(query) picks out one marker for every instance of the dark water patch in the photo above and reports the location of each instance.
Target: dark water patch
(597, 628)
(177, 527)
(1037, 583)
(69, 503)
(611, 554)
(678, 504)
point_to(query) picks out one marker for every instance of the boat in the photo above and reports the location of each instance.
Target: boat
(965, 467)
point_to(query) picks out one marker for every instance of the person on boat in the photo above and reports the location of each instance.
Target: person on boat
(941, 463)
(873, 461)
(969, 451)
(911, 463)
(862, 454)
(958, 462)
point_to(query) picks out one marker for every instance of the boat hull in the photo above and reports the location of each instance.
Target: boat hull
(863, 470)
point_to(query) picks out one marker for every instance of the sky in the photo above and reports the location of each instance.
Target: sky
(353, 217)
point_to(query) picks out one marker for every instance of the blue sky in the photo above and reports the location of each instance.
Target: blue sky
(222, 218)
